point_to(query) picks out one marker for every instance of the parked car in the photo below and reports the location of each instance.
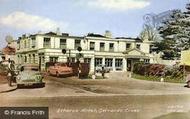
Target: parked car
(26, 77)
(60, 69)
(106, 68)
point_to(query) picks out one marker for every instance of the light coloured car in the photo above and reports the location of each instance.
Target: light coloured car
(60, 69)
(26, 77)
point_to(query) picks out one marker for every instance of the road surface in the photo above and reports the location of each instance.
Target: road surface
(71, 98)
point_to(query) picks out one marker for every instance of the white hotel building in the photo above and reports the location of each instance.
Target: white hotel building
(116, 53)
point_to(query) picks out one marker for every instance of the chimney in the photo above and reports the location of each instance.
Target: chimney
(39, 32)
(108, 34)
(58, 32)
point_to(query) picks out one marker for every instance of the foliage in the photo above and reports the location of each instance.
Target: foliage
(175, 33)
(148, 69)
(3, 70)
(158, 70)
(149, 33)
(170, 32)
(155, 78)
(137, 68)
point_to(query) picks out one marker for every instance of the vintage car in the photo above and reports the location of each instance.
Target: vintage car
(60, 69)
(27, 77)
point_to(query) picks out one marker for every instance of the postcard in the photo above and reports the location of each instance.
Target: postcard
(94, 59)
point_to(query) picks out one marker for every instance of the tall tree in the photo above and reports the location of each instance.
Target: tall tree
(175, 34)
(149, 33)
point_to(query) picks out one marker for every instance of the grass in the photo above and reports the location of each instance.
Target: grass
(156, 78)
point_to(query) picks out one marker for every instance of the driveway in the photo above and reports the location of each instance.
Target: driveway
(72, 98)
(73, 86)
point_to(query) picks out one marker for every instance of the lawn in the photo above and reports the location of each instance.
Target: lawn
(156, 78)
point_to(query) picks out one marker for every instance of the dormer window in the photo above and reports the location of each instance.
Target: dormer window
(63, 43)
(92, 45)
(47, 43)
(33, 42)
(102, 46)
(138, 46)
(111, 47)
(128, 46)
(77, 43)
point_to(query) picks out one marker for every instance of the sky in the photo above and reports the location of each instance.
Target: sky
(124, 18)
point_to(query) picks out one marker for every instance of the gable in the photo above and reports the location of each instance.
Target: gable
(134, 52)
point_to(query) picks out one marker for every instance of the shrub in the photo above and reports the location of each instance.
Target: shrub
(3, 70)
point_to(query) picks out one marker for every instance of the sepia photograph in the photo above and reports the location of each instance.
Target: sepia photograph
(94, 59)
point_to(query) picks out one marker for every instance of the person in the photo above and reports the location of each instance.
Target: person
(78, 68)
(11, 69)
(103, 72)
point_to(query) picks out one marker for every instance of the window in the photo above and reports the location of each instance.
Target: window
(63, 43)
(138, 46)
(87, 60)
(111, 47)
(108, 62)
(43, 59)
(53, 59)
(151, 49)
(98, 61)
(33, 44)
(102, 46)
(47, 43)
(118, 64)
(34, 58)
(146, 60)
(77, 44)
(128, 46)
(22, 59)
(29, 58)
(25, 59)
(92, 45)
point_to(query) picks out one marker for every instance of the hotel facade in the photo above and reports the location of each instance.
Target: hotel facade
(119, 54)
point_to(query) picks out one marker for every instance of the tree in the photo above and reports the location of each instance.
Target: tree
(149, 33)
(175, 34)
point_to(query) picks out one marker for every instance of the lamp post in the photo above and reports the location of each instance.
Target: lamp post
(64, 52)
(78, 56)
(78, 60)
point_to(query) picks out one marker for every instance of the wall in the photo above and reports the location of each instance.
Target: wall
(185, 57)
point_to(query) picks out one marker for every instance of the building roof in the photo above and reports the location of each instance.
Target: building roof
(8, 50)
(50, 33)
(95, 35)
(55, 34)
(129, 38)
